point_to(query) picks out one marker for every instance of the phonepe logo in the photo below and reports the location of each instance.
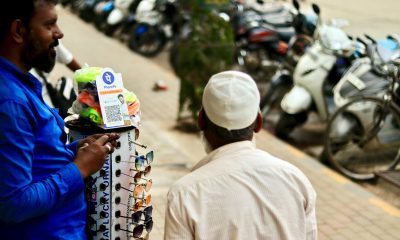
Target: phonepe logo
(108, 78)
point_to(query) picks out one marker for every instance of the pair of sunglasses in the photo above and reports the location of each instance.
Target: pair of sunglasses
(138, 229)
(140, 187)
(143, 161)
(136, 217)
(140, 173)
(138, 203)
(141, 202)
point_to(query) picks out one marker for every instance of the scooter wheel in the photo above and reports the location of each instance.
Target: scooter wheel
(147, 40)
(287, 122)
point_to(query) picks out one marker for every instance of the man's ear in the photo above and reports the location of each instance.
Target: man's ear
(259, 122)
(201, 122)
(18, 31)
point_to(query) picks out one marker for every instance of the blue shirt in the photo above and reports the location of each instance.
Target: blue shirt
(41, 189)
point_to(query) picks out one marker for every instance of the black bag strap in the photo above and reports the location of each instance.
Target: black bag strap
(41, 74)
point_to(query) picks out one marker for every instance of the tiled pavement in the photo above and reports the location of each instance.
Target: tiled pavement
(344, 209)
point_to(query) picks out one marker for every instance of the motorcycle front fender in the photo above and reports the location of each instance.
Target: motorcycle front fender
(116, 16)
(297, 100)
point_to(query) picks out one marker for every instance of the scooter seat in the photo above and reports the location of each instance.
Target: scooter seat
(285, 33)
(267, 8)
(374, 84)
(279, 20)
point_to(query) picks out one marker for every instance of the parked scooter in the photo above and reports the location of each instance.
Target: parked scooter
(118, 17)
(365, 77)
(317, 71)
(155, 26)
(281, 82)
(363, 135)
(86, 10)
(101, 12)
(262, 40)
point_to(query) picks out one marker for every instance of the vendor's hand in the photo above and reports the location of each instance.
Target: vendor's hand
(92, 155)
(113, 137)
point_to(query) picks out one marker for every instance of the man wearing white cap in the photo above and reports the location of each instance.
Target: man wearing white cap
(238, 191)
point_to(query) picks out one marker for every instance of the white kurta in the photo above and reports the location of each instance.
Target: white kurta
(240, 192)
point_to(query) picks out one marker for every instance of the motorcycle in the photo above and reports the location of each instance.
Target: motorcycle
(154, 28)
(315, 74)
(101, 12)
(122, 15)
(281, 82)
(362, 136)
(86, 10)
(366, 76)
(262, 39)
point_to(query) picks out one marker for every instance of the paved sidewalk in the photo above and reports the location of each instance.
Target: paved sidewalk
(344, 209)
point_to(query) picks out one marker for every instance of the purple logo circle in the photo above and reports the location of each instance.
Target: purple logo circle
(108, 78)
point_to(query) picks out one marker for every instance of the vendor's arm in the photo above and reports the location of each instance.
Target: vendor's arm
(20, 197)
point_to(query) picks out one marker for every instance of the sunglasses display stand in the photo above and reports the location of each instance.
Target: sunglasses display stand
(109, 191)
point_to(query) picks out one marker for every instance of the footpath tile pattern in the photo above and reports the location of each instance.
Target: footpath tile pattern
(344, 209)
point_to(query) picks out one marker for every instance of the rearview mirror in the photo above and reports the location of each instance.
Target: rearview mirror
(296, 5)
(316, 8)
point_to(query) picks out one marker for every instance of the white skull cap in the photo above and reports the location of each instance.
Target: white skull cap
(231, 100)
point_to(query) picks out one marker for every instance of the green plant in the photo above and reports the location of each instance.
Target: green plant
(207, 51)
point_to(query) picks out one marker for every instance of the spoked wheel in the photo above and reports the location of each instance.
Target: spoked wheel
(147, 40)
(363, 138)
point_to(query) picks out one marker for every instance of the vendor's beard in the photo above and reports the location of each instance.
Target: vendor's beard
(206, 145)
(42, 59)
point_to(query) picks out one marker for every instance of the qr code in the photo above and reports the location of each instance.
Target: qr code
(113, 113)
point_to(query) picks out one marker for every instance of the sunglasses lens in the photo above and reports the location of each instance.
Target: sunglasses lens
(148, 199)
(147, 170)
(138, 175)
(148, 211)
(136, 217)
(137, 231)
(149, 157)
(149, 226)
(139, 163)
(149, 184)
(138, 190)
(138, 205)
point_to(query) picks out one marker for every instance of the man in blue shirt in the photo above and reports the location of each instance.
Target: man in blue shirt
(41, 177)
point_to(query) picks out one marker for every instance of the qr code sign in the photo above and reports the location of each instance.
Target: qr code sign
(113, 113)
